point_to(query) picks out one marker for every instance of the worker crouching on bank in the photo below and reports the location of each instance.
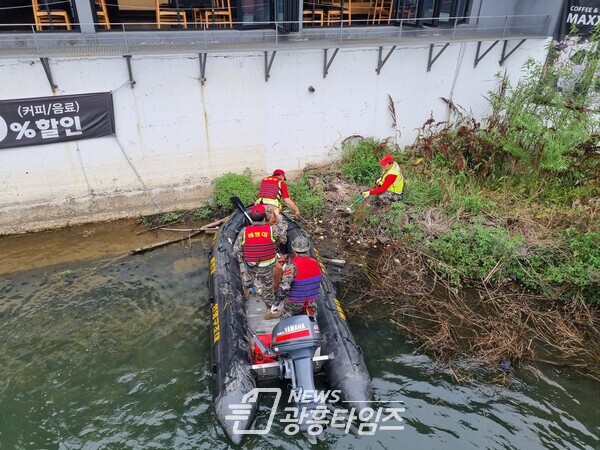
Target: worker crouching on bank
(390, 184)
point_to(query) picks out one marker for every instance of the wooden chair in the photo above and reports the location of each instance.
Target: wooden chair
(313, 14)
(102, 14)
(372, 16)
(220, 14)
(338, 12)
(166, 16)
(409, 13)
(383, 10)
(199, 17)
(49, 17)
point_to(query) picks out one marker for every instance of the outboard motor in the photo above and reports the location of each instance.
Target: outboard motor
(296, 340)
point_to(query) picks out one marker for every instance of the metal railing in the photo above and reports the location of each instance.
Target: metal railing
(145, 38)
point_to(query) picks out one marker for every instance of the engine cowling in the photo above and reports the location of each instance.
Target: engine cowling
(296, 333)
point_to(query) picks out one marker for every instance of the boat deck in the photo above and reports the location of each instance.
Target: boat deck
(255, 312)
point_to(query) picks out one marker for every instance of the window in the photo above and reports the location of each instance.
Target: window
(443, 12)
(37, 15)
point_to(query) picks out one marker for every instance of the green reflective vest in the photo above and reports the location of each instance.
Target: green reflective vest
(398, 184)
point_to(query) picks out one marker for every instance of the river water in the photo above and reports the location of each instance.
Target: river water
(100, 351)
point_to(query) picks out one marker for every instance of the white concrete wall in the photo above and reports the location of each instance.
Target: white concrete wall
(179, 135)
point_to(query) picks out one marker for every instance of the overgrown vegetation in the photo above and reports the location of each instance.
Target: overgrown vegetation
(464, 223)
(360, 157)
(538, 137)
(475, 251)
(494, 252)
(234, 185)
(308, 199)
(474, 273)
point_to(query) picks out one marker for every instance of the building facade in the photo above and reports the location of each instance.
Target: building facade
(218, 87)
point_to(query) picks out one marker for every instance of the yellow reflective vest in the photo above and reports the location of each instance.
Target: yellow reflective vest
(398, 184)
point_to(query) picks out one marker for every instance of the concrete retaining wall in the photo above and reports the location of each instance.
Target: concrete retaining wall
(175, 135)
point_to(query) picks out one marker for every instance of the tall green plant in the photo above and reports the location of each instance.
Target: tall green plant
(542, 121)
(360, 159)
(476, 252)
(233, 184)
(309, 200)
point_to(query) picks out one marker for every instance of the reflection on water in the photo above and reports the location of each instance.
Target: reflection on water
(96, 355)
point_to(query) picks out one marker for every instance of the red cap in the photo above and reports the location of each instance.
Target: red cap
(279, 172)
(258, 209)
(386, 159)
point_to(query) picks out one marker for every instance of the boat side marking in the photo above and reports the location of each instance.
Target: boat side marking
(318, 257)
(215, 323)
(339, 308)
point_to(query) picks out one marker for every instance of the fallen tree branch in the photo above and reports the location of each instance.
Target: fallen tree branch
(208, 228)
(147, 248)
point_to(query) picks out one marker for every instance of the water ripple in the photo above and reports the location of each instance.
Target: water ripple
(117, 356)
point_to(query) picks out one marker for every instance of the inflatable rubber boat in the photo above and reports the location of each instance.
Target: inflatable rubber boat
(247, 349)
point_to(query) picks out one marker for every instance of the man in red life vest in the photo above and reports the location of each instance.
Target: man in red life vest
(256, 249)
(300, 283)
(390, 184)
(272, 191)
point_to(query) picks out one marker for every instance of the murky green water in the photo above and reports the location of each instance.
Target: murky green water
(117, 356)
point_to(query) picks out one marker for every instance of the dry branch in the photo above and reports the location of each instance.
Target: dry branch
(483, 324)
(208, 228)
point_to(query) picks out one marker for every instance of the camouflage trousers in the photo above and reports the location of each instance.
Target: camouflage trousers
(262, 279)
(296, 308)
(388, 197)
(269, 211)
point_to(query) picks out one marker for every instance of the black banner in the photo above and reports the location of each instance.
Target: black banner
(584, 14)
(48, 120)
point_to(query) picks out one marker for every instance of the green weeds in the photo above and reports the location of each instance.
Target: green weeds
(475, 252)
(203, 213)
(309, 200)
(234, 185)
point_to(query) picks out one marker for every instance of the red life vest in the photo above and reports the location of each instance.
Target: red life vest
(305, 287)
(258, 245)
(270, 191)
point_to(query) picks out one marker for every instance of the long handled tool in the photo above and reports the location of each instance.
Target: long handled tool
(350, 209)
(240, 206)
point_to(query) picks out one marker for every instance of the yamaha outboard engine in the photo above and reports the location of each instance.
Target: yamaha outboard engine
(296, 339)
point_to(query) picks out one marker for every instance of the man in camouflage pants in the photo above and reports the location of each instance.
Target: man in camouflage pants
(301, 281)
(256, 250)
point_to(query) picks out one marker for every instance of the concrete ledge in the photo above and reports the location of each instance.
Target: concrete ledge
(17, 219)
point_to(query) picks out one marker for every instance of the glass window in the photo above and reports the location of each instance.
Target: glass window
(38, 15)
(408, 11)
(443, 12)
(165, 14)
(255, 12)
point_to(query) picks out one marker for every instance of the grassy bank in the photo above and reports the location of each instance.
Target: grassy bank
(468, 266)
(493, 254)
(474, 269)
